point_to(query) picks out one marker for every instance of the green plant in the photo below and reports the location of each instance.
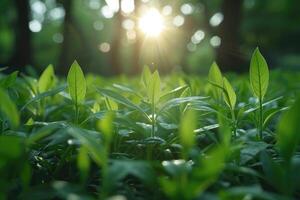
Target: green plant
(259, 79)
(77, 87)
(223, 88)
(177, 137)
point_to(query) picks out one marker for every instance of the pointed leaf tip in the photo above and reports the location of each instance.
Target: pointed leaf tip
(76, 83)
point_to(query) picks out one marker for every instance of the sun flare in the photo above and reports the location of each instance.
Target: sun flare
(151, 23)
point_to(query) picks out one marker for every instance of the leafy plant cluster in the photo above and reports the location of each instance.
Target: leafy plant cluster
(181, 137)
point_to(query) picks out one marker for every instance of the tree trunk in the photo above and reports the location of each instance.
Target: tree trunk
(64, 61)
(116, 43)
(229, 56)
(22, 54)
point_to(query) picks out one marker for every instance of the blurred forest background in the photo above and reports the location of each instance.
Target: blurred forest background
(104, 37)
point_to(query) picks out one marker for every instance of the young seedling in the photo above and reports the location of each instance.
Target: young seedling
(152, 84)
(215, 77)
(230, 99)
(223, 89)
(259, 80)
(46, 79)
(45, 82)
(77, 87)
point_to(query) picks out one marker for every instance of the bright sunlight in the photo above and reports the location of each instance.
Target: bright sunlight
(151, 23)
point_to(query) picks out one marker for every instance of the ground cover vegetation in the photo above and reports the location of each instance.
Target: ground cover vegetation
(180, 137)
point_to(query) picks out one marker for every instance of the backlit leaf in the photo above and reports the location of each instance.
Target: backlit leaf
(9, 80)
(154, 88)
(46, 79)
(9, 109)
(187, 126)
(215, 77)
(120, 99)
(229, 94)
(76, 83)
(259, 74)
(83, 162)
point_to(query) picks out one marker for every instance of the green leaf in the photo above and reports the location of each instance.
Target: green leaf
(127, 90)
(154, 88)
(187, 126)
(268, 115)
(83, 162)
(91, 141)
(42, 133)
(259, 74)
(274, 172)
(44, 95)
(110, 104)
(180, 100)
(213, 164)
(270, 102)
(207, 128)
(251, 149)
(210, 167)
(288, 136)
(120, 99)
(105, 125)
(173, 93)
(9, 80)
(215, 77)
(96, 108)
(46, 80)
(76, 83)
(255, 191)
(10, 147)
(229, 94)
(120, 169)
(9, 109)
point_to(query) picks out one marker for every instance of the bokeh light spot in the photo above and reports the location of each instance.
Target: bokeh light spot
(216, 19)
(167, 10)
(58, 38)
(178, 20)
(98, 25)
(215, 41)
(128, 24)
(187, 9)
(104, 47)
(35, 26)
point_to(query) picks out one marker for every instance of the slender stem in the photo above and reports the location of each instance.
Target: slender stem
(153, 120)
(233, 122)
(76, 113)
(260, 119)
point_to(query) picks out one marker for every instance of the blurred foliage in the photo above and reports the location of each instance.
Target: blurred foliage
(177, 137)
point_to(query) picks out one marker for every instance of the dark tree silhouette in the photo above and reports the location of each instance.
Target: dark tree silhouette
(116, 43)
(22, 49)
(229, 56)
(64, 62)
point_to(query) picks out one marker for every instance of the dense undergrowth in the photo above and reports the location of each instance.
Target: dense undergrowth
(177, 137)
